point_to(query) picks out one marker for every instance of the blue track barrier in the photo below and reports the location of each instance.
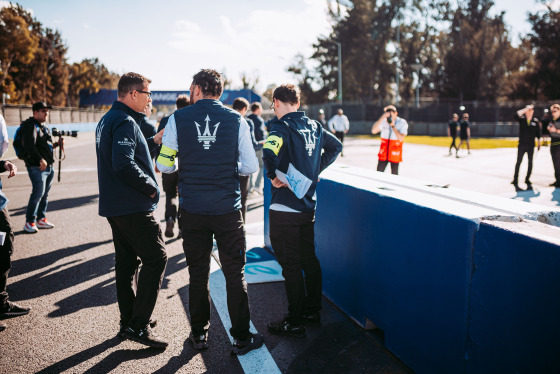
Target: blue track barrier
(455, 279)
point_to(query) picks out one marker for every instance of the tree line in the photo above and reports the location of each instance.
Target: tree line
(458, 50)
(34, 67)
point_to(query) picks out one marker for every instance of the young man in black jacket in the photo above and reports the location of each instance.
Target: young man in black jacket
(39, 160)
(293, 161)
(529, 130)
(128, 196)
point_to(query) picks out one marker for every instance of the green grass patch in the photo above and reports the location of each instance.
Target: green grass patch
(444, 141)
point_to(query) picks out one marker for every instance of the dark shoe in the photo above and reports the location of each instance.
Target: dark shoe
(3, 326)
(199, 342)
(144, 336)
(13, 310)
(529, 185)
(286, 329)
(120, 334)
(555, 184)
(312, 319)
(241, 347)
(169, 224)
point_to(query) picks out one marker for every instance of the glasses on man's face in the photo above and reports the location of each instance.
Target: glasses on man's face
(144, 92)
(389, 111)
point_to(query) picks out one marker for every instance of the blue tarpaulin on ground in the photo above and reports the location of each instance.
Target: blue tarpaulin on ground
(106, 97)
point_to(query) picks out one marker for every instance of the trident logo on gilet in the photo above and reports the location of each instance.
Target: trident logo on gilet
(309, 136)
(206, 137)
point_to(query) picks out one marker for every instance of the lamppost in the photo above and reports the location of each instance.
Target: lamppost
(339, 96)
(417, 67)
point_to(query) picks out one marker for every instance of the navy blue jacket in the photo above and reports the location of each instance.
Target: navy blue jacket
(125, 168)
(148, 129)
(259, 129)
(300, 141)
(208, 140)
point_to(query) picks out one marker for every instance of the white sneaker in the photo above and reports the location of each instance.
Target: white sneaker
(30, 227)
(44, 224)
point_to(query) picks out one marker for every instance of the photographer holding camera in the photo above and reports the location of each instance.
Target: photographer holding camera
(393, 130)
(38, 146)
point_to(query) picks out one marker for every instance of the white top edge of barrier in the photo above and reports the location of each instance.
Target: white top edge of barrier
(467, 204)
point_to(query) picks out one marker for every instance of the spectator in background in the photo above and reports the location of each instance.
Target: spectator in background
(393, 131)
(554, 130)
(7, 308)
(465, 133)
(242, 105)
(38, 146)
(529, 130)
(148, 129)
(452, 132)
(339, 125)
(260, 136)
(322, 119)
(170, 181)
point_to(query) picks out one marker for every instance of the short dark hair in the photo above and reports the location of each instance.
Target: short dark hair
(287, 93)
(130, 82)
(240, 103)
(256, 106)
(210, 82)
(182, 101)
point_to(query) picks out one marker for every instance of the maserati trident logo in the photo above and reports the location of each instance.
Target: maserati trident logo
(310, 138)
(206, 137)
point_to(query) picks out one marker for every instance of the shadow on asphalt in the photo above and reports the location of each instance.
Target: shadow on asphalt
(109, 363)
(75, 202)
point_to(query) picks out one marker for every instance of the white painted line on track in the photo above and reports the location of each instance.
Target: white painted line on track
(257, 361)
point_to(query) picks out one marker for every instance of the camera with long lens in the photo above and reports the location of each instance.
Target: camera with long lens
(57, 132)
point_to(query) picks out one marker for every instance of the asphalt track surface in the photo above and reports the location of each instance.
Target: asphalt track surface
(66, 275)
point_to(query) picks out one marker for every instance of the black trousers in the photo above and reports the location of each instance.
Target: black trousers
(229, 231)
(521, 150)
(453, 145)
(138, 240)
(245, 184)
(170, 183)
(555, 154)
(382, 165)
(6, 252)
(292, 236)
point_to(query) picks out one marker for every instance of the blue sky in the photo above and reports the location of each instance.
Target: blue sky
(169, 41)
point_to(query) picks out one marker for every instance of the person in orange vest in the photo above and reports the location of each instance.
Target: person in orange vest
(393, 130)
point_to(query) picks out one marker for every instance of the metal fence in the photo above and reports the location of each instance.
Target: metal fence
(16, 114)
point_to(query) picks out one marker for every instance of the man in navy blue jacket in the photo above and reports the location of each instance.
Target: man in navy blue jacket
(213, 145)
(293, 158)
(128, 195)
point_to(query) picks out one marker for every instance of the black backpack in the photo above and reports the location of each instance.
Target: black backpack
(18, 144)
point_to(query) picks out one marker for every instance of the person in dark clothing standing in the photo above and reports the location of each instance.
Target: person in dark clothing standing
(128, 196)
(452, 132)
(148, 128)
(39, 160)
(296, 151)
(170, 181)
(529, 130)
(213, 145)
(242, 105)
(7, 308)
(554, 130)
(259, 129)
(465, 134)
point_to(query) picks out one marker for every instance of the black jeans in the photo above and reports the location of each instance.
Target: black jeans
(521, 150)
(6, 251)
(555, 154)
(382, 165)
(138, 240)
(170, 182)
(229, 231)
(453, 145)
(245, 184)
(292, 236)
